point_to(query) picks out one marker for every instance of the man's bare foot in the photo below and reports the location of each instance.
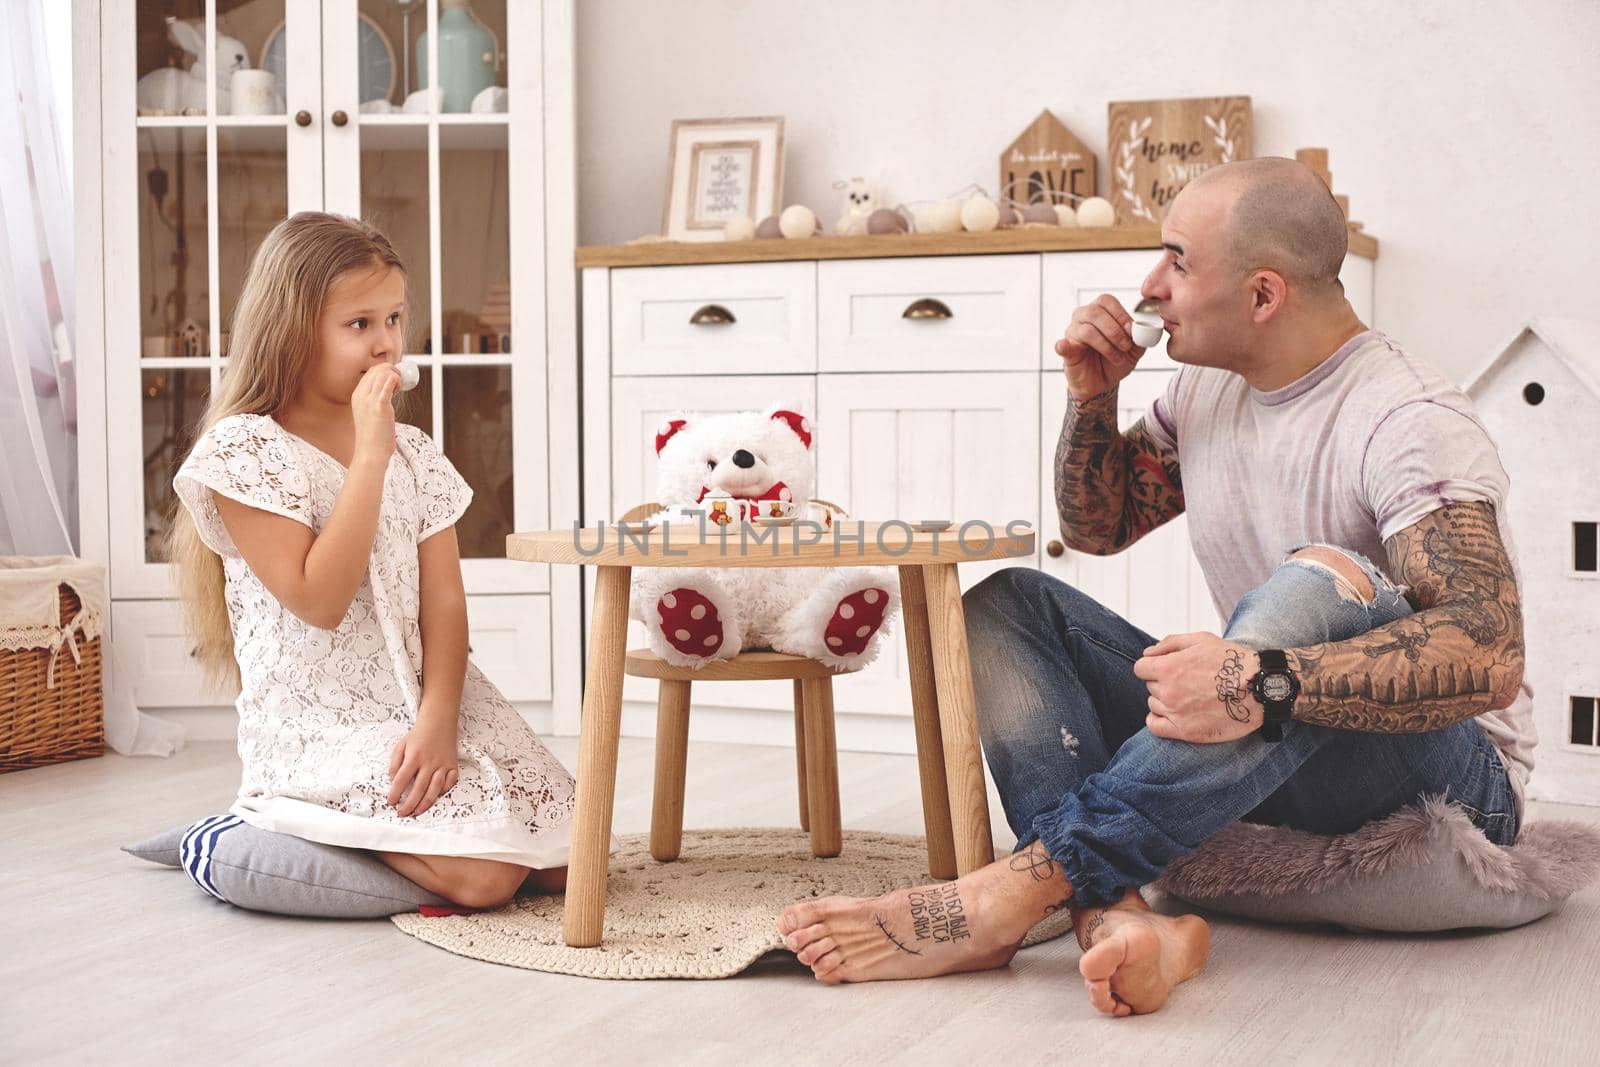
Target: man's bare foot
(1133, 957)
(971, 924)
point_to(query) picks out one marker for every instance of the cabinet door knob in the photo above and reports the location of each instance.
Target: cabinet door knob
(339, 118)
(1054, 549)
(927, 308)
(302, 118)
(712, 315)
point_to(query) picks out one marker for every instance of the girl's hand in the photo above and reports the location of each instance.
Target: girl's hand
(423, 767)
(372, 405)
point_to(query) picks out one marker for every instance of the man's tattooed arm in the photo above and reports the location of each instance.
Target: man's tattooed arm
(1111, 488)
(1459, 655)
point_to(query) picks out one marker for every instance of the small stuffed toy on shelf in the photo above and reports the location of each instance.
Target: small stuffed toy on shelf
(753, 467)
(860, 200)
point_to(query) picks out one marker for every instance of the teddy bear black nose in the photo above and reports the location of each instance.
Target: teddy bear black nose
(744, 459)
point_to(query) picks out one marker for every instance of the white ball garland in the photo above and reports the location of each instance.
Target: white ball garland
(797, 221)
(1097, 211)
(979, 214)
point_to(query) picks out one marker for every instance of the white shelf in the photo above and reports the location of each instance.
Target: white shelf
(496, 118)
(222, 122)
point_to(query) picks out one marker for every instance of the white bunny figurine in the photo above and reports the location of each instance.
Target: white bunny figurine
(175, 92)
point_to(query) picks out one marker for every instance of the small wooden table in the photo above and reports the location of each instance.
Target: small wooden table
(954, 794)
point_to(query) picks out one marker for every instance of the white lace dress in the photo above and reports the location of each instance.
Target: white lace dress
(320, 711)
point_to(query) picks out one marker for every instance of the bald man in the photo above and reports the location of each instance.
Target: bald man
(1344, 505)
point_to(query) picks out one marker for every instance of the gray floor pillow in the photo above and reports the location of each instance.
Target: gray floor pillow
(235, 862)
(1423, 868)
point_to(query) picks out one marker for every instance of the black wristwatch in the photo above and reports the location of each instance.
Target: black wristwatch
(1274, 687)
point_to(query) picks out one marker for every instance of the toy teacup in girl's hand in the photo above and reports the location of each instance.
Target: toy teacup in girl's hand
(757, 467)
(409, 373)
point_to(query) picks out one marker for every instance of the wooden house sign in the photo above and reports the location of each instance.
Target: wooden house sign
(1047, 163)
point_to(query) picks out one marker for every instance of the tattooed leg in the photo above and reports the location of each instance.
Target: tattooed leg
(971, 924)
(1134, 956)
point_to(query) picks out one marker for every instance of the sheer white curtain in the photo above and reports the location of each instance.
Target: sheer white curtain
(38, 403)
(38, 426)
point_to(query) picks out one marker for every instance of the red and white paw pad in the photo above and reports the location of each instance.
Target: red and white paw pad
(690, 622)
(855, 620)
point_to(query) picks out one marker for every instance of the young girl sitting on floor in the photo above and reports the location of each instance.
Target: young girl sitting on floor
(320, 571)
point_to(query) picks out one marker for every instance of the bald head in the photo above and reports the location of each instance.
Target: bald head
(1283, 219)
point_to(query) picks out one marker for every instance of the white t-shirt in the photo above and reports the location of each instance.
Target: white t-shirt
(1364, 445)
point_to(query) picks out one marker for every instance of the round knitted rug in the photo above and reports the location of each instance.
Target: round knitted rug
(709, 914)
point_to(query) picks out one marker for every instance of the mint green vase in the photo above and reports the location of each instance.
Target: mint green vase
(467, 52)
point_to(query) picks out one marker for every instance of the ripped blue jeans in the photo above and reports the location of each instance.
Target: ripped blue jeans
(1062, 718)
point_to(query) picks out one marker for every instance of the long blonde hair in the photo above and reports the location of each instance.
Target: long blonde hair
(274, 337)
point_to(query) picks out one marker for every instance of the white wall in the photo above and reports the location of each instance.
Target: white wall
(1466, 133)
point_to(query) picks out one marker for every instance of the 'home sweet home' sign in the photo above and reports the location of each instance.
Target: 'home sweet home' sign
(1157, 146)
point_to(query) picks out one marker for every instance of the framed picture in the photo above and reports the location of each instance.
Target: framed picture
(719, 169)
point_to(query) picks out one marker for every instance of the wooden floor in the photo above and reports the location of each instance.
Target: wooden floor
(105, 959)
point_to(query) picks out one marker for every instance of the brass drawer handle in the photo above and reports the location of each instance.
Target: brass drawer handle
(1054, 549)
(712, 315)
(927, 308)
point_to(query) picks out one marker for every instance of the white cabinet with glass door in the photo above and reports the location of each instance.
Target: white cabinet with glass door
(336, 114)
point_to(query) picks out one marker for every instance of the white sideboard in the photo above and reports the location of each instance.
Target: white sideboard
(954, 413)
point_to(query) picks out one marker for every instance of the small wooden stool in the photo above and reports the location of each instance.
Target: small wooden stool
(816, 757)
(813, 729)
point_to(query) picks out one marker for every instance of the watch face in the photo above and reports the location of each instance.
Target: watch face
(1276, 687)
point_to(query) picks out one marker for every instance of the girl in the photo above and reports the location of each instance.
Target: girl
(317, 554)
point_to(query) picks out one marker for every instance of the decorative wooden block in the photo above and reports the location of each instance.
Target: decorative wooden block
(1046, 162)
(1157, 146)
(1317, 160)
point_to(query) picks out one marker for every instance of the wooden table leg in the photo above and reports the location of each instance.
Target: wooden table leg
(672, 756)
(958, 718)
(583, 922)
(800, 751)
(925, 713)
(822, 768)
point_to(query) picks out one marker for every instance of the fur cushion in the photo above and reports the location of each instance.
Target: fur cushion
(1423, 868)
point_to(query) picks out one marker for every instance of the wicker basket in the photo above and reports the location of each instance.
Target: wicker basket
(42, 724)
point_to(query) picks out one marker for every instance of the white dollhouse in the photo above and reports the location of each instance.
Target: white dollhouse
(1539, 395)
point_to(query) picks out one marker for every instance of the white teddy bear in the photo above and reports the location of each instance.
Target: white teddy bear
(730, 468)
(171, 91)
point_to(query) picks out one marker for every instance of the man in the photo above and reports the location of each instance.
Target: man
(1302, 446)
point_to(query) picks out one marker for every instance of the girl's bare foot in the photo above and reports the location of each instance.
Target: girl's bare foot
(547, 880)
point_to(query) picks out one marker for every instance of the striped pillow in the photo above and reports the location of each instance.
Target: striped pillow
(251, 868)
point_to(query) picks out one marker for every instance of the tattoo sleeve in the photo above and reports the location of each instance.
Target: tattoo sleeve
(1111, 488)
(1459, 655)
